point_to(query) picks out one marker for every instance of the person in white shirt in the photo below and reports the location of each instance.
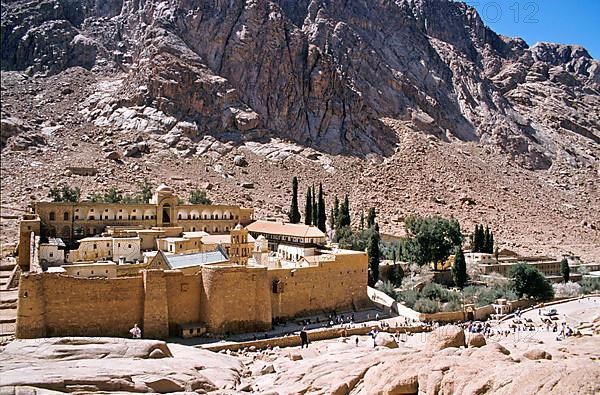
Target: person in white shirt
(136, 332)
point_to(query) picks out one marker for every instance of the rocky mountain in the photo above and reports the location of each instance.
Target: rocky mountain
(342, 85)
(321, 73)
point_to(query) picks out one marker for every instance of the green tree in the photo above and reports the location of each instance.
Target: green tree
(344, 213)
(331, 218)
(396, 274)
(294, 214)
(374, 256)
(336, 212)
(145, 191)
(491, 243)
(459, 270)
(315, 207)
(528, 280)
(362, 220)
(565, 271)
(431, 239)
(308, 208)
(198, 196)
(65, 194)
(321, 213)
(477, 244)
(371, 217)
(113, 196)
(486, 240)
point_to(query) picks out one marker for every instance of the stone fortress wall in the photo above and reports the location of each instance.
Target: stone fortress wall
(223, 298)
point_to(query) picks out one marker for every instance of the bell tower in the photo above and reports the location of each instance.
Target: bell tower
(239, 251)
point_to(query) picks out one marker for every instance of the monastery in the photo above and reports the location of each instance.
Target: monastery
(95, 269)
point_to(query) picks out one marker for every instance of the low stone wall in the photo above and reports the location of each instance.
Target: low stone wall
(443, 316)
(315, 335)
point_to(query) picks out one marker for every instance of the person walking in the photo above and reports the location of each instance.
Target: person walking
(304, 337)
(136, 332)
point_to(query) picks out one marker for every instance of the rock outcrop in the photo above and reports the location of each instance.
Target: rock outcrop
(446, 336)
(110, 364)
(321, 73)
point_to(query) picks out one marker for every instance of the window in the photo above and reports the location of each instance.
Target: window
(129, 246)
(76, 216)
(78, 273)
(94, 246)
(51, 254)
(92, 217)
(65, 216)
(133, 217)
(120, 217)
(52, 216)
(92, 272)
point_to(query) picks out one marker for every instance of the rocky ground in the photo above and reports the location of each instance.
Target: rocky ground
(443, 362)
(553, 212)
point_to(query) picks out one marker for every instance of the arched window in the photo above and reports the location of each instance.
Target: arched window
(52, 216)
(65, 216)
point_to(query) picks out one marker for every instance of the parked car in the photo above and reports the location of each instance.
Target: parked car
(550, 312)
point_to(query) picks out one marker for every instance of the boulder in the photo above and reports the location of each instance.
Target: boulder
(132, 150)
(476, 340)
(536, 354)
(294, 356)
(157, 354)
(247, 120)
(112, 155)
(382, 379)
(240, 160)
(446, 336)
(384, 339)
(10, 127)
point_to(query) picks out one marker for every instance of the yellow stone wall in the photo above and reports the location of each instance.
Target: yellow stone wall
(225, 298)
(340, 284)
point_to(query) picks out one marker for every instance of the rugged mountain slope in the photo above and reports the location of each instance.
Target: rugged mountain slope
(356, 86)
(318, 72)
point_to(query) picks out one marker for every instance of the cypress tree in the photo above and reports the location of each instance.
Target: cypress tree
(331, 217)
(459, 270)
(371, 217)
(486, 240)
(346, 212)
(308, 208)
(565, 270)
(315, 207)
(336, 212)
(294, 214)
(321, 215)
(362, 220)
(491, 243)
(374, 255)
(478, 239)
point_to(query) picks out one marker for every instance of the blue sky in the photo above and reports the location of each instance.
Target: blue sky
(560, 21)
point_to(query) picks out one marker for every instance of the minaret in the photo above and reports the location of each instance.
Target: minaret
(239, 251)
